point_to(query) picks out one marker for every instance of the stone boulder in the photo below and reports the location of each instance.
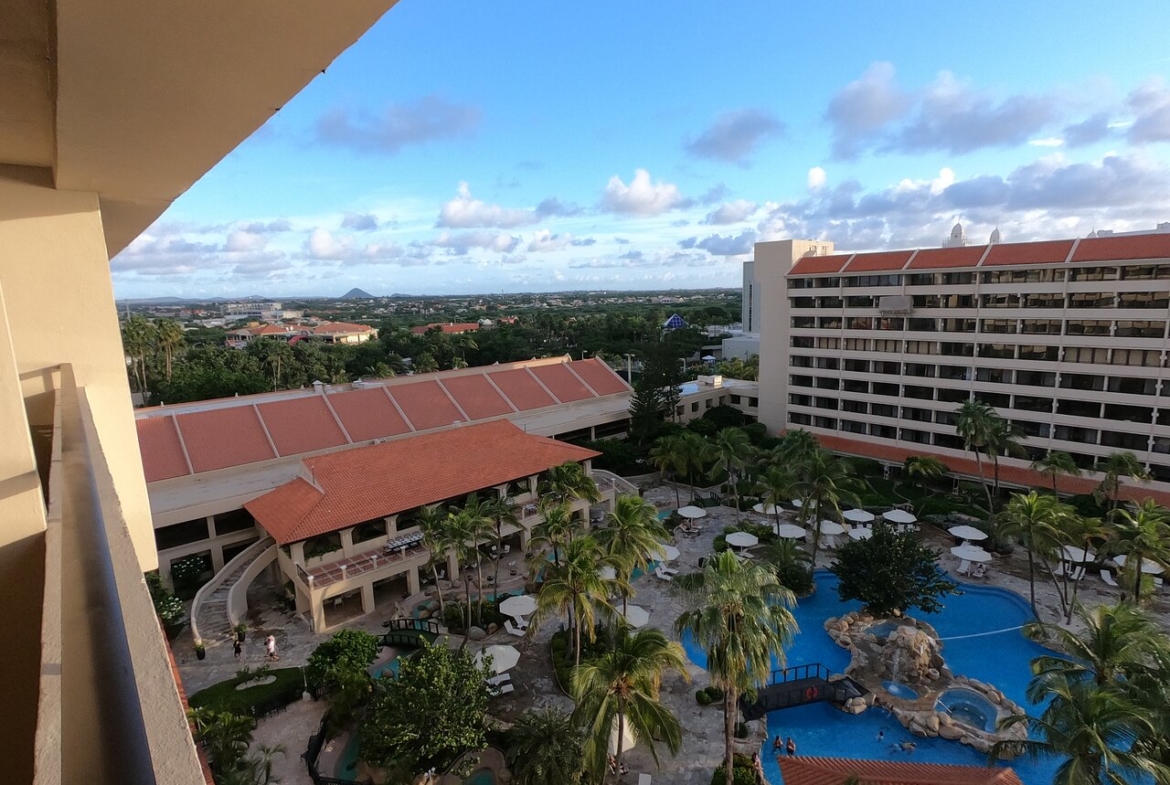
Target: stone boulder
(476, 634)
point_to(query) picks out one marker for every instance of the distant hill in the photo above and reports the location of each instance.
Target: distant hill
(357, 294)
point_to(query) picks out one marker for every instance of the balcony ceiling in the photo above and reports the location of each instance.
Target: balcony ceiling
(150, 95)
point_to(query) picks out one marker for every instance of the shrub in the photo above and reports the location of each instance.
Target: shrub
(796, 577)
(744, 773)
(756, 431)
(703, 427)
(741, 730)
(169, 608)
(715, 693)
(702, 697)
(725, 417)
(252, 701)
(619, 456)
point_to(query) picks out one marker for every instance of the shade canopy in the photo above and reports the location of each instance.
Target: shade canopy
(799, 504)
(636, 615)
(861, 534)
(857, 516)
(967, 533)
(741, 539)
(899, 516)
(831, 528)
(708, 357)
(504, 658)
(1148, 567)
(1078, 555)
(518, 606)
(971, 553)
(667, 552)
(790, 531)
(690, 511)
(605, 573)
(766, 509)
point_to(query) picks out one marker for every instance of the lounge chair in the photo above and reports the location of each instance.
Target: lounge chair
(643, 779)
(964, 567)
(1107, 576)
(1077, 573)
(506, 688)
(661, 574)
(511, 630)
(1058, 571)
(499, 679)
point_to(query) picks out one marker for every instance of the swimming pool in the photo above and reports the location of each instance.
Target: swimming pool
(900, 690)
(968, 707)
(481, 777)
(982, 620)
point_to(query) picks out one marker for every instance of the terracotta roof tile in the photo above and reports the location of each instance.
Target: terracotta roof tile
(886, 261)
(1047, 252)
(599, 376)
(365, 483)
(521, 389)
(329, 328)
(1139, 246)
(561, 382)
(476, 396)
(219, 438)
(798, 770)
(820, 265)
(162, 453)
(425, 405)
(368, 414)
(301, 425)
(943, 258)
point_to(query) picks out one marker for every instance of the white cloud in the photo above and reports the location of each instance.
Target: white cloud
(544, 241)
(242, 242)
(641, 197)
(466, 212)
(323, 245)
(1048, 141)
(459, 243)
(731, 213)
(816, 178)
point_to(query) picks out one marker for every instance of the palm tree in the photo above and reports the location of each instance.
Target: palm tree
(138, 337)
(1084, 533)
(568, 483)
(924, 467)
(974, 424)
(693, 452)
(553, 531)
(1140, 534)
(170, 339)
(729, 451)
(574, 588)
(477, 526)
(796, 447)
(546, 748)
(823, 482)
(1116, 466)
(433, 525)
(667, 457)
(502, 510)
(777, 483)
(459, 537)
(1055, 464)
(632, 534)
(739, 614)
(1002, 442)
(1035, 519)
(623, 686)
(1093, 726)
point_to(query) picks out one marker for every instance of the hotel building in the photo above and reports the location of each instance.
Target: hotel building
(874, 352)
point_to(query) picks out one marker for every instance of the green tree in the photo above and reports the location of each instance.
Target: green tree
(574, 588)
(622, 685)
(793, 564)
(1036, 520)
(739, 614)
(891, 572)
(778, 483)
(1140, 534)
(428, 716)
(1116, 466)
(546, 748)
(729, 451)
(169, 335)
(138, 339)
(502, 511)
(432, 522)
(1055, 464)
(631, 536)
(475, 525)
(568, 482)
(553, 532)
(975, 424)
(668, 457)
(338, 667)
(226, 737)
(823, 482)
(923, 468)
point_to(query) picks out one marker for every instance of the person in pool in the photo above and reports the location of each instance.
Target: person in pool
(790, 747)
(778, 744)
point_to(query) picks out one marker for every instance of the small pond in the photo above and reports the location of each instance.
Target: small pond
(968, 707)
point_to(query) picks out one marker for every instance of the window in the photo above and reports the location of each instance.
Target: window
(1148, 357)
(998, 400)
(1045, 353)
(826, 403)
(958, 325)
(956, 279)
(923, 279)
(1130, 386)
(829, 303)
(1141, 329)
(824, 383)
(1041, 326)
(1030, 403)
(997, 325)
(1092, 300)
(948, 440)
(1071, 433)
(881, 388)
(1140, 414)
(856, 301)
(1043, 300)
(707, 404)
(804, 302)
(917, 415)
(796, 361)
(1143, 300)
(802, 322)
(857, 366)
(887, 367)
(921, 347)
(873, 280)
(855, 386)
(799, 418)
(802, 342)
(735, 399)
(857, 407)
(1125, 441)
(799, 400)
(1036, 378)
(918, 437)
(827, 363)
(1094, 274)
(695, 406)
(918, 393)
(753, 402)
(1001, 301)
(852, 426)
(828, 423)
(1087, 327)
(883, 431)
(1145, 272)
(948, 349)
(1086, 355)
(946, 418)
(234, 521)
(1029, 428)
(180, 534)
(954, 372)
(993, 375)
(952, 396)
(1079, 408)
(923, 325)
(917, 369)
(827, 322)
(997, 350)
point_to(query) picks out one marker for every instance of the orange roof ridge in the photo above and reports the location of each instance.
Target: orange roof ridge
(801, 770)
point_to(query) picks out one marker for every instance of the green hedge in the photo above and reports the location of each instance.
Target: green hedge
(743, 774)
(224, 696)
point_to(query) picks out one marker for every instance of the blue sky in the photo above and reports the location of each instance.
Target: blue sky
(468, 146)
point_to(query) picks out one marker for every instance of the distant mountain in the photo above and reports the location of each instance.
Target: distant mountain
(357, 294)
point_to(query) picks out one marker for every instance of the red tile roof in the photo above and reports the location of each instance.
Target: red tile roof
(368, 414)
(599, 376)
(1047, 252)
(359, 485)
(887, 261)
(942, 258)
(476, 396)
(561, 382)
(425, 405)
(820, 265)
(1138, 246)
(521, 389)
(162, 454)
(448, 327)
(301, 425)
(331, 328)
(798, 770)
(219, 438)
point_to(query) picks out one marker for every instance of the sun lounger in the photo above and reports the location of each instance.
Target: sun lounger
(643, 779)
(499, 679)
(1107, 576)
(964, 567)
(1058, 570)
(1077, 573)
(668, 570)
(512, 630)
(505, 689)
(661, 575)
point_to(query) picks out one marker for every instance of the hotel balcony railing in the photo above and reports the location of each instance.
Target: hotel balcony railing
(110, 709)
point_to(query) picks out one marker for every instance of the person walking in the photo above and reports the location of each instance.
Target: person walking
(237, 648)
(270, 647)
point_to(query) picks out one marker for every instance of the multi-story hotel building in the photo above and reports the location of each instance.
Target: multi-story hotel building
(874, 352)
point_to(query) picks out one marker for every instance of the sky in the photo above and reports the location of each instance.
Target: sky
(488, 146)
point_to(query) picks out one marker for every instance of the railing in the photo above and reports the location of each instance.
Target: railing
(616, 482)
(313, 751)
(797, 672)
(329, 574)
(237, 599)
(217, 580)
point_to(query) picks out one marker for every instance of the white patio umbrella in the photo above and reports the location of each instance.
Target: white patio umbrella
(690, 511)
(899, 516)
(519, 606)
(967, 533)
(765, 509)
(799, 504)
(708, 357)
(857, 516)
(504, 658)
(741, 540)
(605, 573)
(1148, 567)
(1077, 555)
(629, 739)
(667, 552)
(830, 528)
(861, 534)
(970, 552)
(790, 531)
(636, 615)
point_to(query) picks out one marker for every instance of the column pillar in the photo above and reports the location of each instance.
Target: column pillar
(347, 542)
(368, 597)
(318, 612)
(216, 557)
(412, 583)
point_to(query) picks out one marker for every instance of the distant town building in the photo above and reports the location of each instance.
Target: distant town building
(675, 322)
(450, 328)
(326, 332)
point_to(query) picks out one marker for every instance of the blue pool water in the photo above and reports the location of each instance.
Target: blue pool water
(998, 654)
(662, 516)
(390, 667)
(969, 707)
(481, 777)
(899, 690)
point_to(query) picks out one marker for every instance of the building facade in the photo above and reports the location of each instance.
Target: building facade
(1066, 338)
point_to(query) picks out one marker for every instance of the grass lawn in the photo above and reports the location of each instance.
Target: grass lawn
(225, 696)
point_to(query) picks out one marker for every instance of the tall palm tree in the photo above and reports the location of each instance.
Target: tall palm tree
(568, 482)
(924, 467)
(1094, 727)
(631, 536)
(1055, 464)
(1116, 466)
(739, 613)
(796, 447)
(1084, 533)
(553, 531)
(729, 451)
(477, 526)
(1003, 441)
(432, 522)
(667, 457)
(974, 423)
(1035, 519)
(823, 482)
(460, 538)
(546, 748)
(693, 451)
(623, 685)
(502, 510)
(170, 340)
(777, 484)
(1140, 534)
(138, 338)
(574, 588)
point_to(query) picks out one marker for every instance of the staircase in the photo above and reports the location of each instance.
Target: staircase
(211, 621)
(620, 484)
